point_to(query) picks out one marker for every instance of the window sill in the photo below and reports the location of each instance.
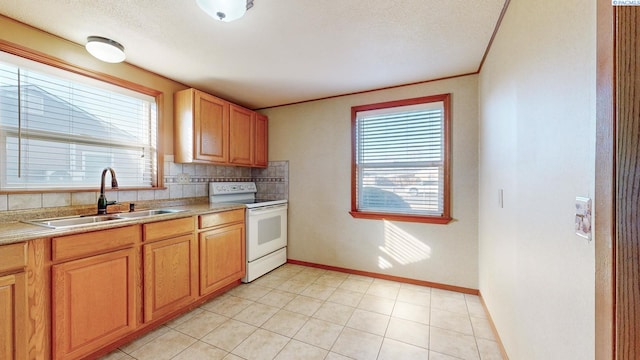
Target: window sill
(440, 220)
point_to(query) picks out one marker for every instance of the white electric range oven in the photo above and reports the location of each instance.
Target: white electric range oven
(266, 225)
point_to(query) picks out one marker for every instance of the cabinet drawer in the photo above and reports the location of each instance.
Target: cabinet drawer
(165, 229)
(221, 218)
(72, 246)
(13, 257)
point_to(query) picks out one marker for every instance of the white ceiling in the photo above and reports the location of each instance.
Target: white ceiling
(282, 51)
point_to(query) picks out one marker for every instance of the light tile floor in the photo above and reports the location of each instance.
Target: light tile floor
(298, 312)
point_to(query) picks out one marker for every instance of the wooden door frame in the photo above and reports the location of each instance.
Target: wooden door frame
(617, 311)
(604, 208)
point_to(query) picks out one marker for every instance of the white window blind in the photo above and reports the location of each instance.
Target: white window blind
(59, 130)
(399, 159)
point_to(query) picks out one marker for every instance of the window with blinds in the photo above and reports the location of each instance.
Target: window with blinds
(59, 129)
(400, 160)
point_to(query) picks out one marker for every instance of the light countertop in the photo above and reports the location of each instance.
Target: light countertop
(16, 231)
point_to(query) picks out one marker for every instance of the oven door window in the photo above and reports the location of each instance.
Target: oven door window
(269, 229)
(266, 231)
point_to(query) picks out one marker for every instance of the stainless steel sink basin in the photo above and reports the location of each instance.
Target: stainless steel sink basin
(144, 213)
(64, 222)
(83, 220)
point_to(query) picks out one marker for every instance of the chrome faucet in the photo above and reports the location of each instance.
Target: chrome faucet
(102, 200)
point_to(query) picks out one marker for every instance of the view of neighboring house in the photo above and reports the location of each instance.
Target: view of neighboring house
(43, 130)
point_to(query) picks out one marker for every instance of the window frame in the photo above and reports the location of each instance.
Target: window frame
(445, 218)
(34, 55)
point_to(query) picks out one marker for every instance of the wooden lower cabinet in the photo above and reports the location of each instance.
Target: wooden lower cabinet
(13, 315)
(81, 295)
(14, 335)
(94, 302)
(169, 275)
(222, 257)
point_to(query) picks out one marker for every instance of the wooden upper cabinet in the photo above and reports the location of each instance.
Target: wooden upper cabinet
(201, 128)
(261, 141)
(211, 130)
(242, 131)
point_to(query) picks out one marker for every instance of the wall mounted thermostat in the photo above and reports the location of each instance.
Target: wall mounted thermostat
(583, 217)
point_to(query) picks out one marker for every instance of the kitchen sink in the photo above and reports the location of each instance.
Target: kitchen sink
(144, 213)
(70, 221)
(84, 220)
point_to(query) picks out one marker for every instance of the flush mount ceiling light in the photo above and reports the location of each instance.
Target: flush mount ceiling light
(225, 10)
(105, 49)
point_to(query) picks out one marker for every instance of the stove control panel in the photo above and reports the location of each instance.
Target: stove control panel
(219, 188)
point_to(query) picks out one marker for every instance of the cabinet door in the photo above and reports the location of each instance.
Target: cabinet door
(169, 275)
(222, 257)
(13, 312)
(261, 141)
(211, 128)
(241, 135)
(93, 302)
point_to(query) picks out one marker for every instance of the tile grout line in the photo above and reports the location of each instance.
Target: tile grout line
(473, 330)
(311, 279)
(384, 336)
(430, 325)
(345, 325)
(270, 317)
(342, 330)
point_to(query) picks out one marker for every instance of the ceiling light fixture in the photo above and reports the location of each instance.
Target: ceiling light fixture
(105, 49)
(225, 10)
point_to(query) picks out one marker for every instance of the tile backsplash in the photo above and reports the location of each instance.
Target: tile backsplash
(180, 181)
(273, 181)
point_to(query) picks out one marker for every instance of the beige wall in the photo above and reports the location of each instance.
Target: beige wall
(21, 34)
(315, 138)
(537, 136)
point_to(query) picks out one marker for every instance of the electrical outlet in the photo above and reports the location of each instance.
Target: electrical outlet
(183, 178)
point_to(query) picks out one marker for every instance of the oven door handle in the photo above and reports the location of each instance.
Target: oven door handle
(267, 209)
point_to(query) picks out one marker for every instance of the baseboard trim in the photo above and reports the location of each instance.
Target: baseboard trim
(493, 328)
(459, 289)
